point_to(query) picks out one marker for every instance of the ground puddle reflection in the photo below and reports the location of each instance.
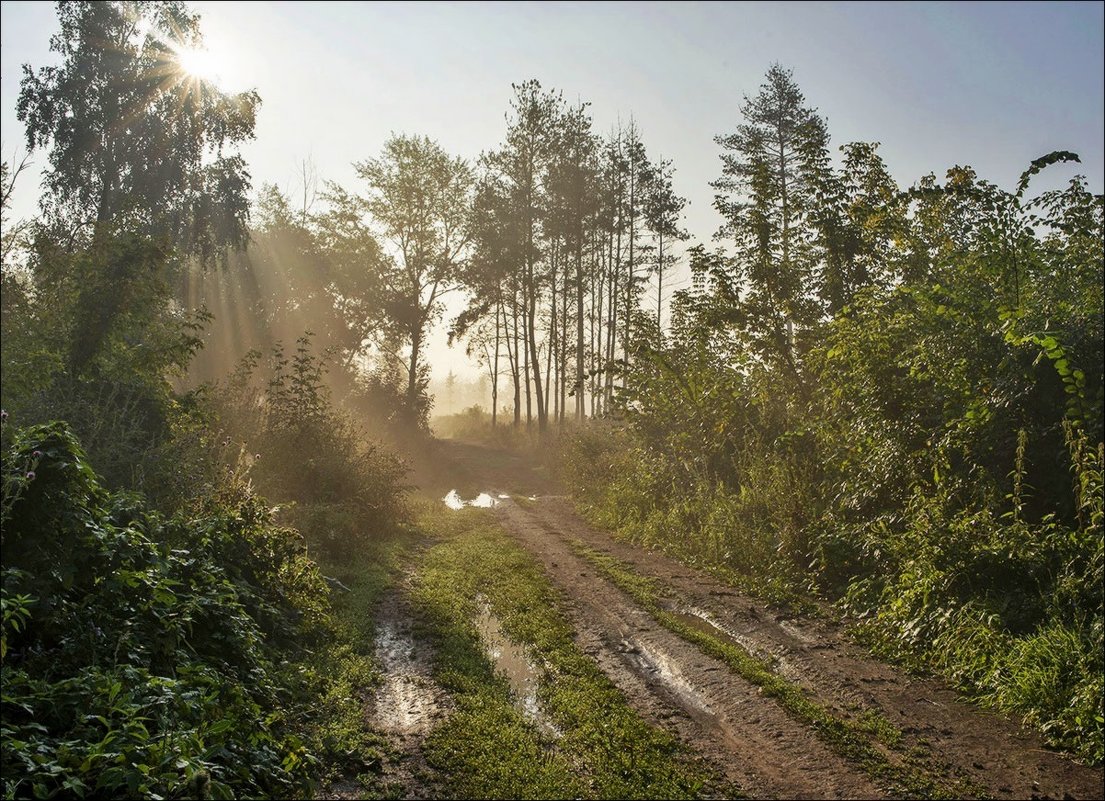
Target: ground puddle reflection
(707, 623)
(483, 501)
(511, 662)
(667, 670)
(406, 702)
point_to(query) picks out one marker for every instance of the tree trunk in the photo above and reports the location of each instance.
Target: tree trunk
(412, 376)
(495, 369)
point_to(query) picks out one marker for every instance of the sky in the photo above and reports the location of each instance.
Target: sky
(991, 85)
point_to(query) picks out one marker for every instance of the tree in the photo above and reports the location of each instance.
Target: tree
(419, 198)
(522, 163)
(133, 138)
(662, 211)
(766, 193)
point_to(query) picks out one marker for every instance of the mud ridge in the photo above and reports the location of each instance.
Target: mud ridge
(751, 741)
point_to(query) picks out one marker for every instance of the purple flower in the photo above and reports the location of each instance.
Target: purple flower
(30, 475)
(36, 455)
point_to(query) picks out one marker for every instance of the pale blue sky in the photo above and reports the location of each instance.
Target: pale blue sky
(992, 85)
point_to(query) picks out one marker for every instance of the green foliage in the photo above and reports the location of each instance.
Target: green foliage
(170, 172)
(933, 458)
(487, 748)
(142, 654)
(95, 344)
(345, 490)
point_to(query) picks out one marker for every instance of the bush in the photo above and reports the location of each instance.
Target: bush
(341, 489)
(141, 655)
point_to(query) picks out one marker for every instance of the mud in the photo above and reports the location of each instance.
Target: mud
(751, 740)
(408, 703)
(746, 736)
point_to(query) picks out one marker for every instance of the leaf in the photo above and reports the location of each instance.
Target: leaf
(1055, 157)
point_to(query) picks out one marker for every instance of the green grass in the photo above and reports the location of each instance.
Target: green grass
(487, 748)
(853, 740)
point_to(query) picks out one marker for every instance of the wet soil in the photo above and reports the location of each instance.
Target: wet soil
(513, 663)
(408, 703)
(748, 736)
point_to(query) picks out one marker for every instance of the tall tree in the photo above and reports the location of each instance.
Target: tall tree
(419, 198)
(663, 208)
(573, 176)
(138, 147)
(523, 161)
(766, 193)
(134, 139)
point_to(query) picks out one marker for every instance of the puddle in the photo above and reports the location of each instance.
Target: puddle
(797, 633)
(667, 670)
(407, 701)
(707, 623)
(483, 501)
(510, 661)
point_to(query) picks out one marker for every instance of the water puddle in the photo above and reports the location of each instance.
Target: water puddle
(511, 662)
(797, 633)
(707, 623)
(666, 669)
(407, 702)
(482, 501)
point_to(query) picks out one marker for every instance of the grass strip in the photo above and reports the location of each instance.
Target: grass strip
(488, 748)
(851, 740)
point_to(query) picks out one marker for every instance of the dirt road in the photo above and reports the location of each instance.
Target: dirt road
(748, 735)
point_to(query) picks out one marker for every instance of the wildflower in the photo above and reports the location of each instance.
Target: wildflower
(30, 475)
(36, 455)
(4, 415)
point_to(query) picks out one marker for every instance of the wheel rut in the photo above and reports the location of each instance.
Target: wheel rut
(962, 741)
(726, 719)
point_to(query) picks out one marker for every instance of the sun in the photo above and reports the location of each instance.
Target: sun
(201, 64)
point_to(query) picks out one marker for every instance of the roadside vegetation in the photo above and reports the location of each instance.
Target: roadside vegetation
(167, 628)
(909, 424)
(886, 398)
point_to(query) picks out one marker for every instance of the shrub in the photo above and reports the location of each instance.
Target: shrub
(140, 654)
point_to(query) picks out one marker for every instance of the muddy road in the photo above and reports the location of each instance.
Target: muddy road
(749, 737)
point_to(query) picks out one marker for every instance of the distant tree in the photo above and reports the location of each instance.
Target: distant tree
(490, 277)
(522, 161)
(662, 216)
(450, 389)
(570, 215)
(134, 139)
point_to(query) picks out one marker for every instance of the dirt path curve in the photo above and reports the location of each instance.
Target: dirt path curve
(725, 718)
